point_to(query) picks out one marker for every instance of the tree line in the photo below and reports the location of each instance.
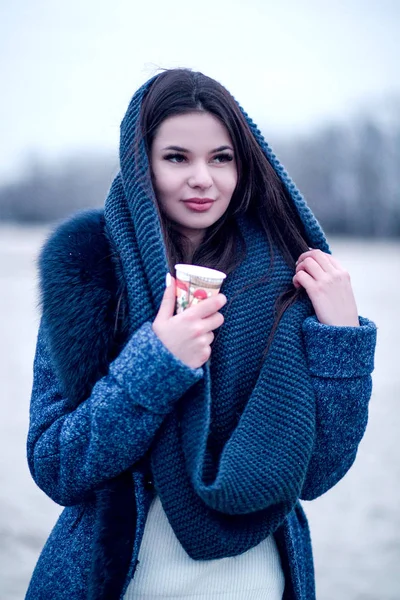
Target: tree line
(349, 174)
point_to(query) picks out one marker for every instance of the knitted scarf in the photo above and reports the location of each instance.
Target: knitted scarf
(229, 462)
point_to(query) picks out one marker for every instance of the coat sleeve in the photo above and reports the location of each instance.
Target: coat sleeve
(341, 360)
(70, 452)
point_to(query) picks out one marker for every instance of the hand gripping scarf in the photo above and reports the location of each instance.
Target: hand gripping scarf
(229, 462)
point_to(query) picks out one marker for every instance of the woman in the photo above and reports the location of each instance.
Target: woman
(181, 457)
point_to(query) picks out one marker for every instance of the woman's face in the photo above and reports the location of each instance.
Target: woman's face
(192, 159)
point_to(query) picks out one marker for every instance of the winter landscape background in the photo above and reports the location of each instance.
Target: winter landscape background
(321, 81)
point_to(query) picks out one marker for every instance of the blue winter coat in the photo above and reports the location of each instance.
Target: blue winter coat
(94, 415)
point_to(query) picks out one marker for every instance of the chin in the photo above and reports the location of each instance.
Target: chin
(201, 223)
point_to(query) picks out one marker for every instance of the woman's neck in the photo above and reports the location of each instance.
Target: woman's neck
(193, 239)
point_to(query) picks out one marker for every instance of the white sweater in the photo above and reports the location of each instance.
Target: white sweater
(166, 571)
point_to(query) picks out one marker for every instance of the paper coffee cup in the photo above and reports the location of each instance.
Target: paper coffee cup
(194, 284)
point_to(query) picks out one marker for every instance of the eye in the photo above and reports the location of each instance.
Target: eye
(223, 158)
(175, 157)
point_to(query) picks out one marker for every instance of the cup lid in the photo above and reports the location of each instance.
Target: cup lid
(198, 271)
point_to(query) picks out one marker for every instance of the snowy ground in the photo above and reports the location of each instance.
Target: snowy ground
(355, 527)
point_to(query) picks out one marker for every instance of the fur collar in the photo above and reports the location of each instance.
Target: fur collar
(83, 306)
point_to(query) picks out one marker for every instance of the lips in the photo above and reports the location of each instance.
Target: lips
(199, 200)
(199, 205)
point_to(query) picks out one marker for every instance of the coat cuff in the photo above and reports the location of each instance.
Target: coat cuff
(340, 352)
(151, 375)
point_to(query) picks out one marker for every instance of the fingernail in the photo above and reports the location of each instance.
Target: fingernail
(168, 279)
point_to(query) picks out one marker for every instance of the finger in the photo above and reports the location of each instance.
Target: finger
(303, 279)
(167, 307)
(335, 262)
(303, 256)
(207, 307)
(208, 338)
(312, 267)
(331, 264)
(295, 283)
(213, 322)
(322, 258)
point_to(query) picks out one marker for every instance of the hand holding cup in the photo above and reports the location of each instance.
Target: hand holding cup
(189, 334)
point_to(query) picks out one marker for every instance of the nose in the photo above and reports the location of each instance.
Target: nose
(200, 177)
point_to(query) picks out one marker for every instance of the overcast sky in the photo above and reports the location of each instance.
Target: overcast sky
(68, 69)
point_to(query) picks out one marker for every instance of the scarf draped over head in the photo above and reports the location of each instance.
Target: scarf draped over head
(229, 462)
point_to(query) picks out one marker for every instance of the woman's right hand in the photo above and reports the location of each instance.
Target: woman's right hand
(188, 335)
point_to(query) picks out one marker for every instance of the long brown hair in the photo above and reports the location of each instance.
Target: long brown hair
(259, 190)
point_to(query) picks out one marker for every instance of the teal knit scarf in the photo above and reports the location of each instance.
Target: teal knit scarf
(230, 460)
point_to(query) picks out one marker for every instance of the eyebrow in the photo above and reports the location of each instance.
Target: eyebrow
(180, 149)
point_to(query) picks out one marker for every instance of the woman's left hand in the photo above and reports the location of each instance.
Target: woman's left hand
(329, 288)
